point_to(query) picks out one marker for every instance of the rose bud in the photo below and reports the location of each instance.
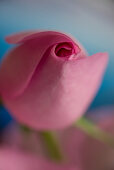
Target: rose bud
(47, 81)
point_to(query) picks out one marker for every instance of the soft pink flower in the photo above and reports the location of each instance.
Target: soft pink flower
(47, 81)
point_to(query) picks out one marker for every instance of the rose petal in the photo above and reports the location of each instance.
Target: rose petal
(20, 37)
(63, 94)
(20, 63)
(48, 82)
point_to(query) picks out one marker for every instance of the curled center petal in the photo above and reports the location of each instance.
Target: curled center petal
(66, 49)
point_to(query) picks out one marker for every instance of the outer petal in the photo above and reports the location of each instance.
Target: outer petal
(16, 160)
(29, 35)
(59, 93)
(85, 152)
(20, 63)
(21, 37)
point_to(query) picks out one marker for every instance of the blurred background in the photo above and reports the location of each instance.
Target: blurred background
(90, 21)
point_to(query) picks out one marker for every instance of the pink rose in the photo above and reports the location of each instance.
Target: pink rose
(47, 81)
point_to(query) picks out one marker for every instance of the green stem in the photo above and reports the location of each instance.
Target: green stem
(52, 146)
(95, 132)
